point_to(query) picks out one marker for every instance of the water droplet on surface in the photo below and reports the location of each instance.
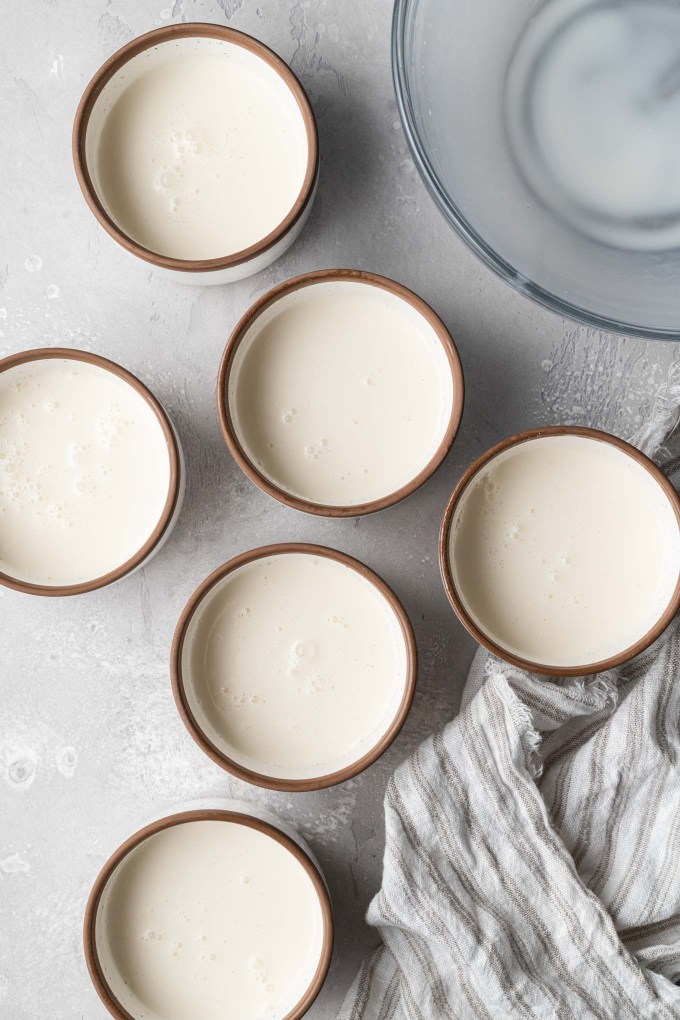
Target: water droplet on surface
(66, 759)
(21, 768)
(14, 865)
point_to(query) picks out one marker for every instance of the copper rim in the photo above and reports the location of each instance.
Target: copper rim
(447, 575)
(133, 49)
(257, 778)
(71, 354)
(297, 283)
(205, 815)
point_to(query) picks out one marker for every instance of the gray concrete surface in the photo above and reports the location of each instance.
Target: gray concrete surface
(90, 744)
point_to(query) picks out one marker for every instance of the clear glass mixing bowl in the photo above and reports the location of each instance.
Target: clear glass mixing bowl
(453, 63)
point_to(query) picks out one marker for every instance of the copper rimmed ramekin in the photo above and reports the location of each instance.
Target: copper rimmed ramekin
(308, 280)
(176, 486)
(448, 576)
(231, 267)
(238, 812)
(217, 754)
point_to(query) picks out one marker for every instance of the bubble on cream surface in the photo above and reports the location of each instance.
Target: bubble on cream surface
(84, 471)
(211, 920)
(294, 665)
(564, 550)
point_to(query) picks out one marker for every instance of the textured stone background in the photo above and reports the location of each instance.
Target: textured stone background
(90, 745)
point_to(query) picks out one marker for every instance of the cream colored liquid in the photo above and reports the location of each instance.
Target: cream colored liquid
(209, 920)
(594, 116)
(84, 472)
(202, 151)
(340, 393)
(294, 666)
(565, 551)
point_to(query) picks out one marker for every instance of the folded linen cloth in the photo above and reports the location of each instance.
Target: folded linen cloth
(532, 860)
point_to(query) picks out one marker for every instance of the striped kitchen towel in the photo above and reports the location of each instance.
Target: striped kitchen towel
(532, 860)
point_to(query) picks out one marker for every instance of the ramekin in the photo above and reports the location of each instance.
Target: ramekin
(240, 812)
(448, 576)
(87, 127)
(224, 383)
(180, 680)
(176, 487)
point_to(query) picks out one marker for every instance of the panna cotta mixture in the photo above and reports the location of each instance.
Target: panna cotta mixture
(564, 550)
(294, 665)
(594, 116)
(340, 393)
(84, 471)
(209, 920)
(198, 148)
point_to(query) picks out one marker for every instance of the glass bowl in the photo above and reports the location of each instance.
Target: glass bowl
(453, 65)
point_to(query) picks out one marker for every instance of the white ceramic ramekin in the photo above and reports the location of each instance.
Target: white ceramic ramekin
(176, 485)
(209, 739)
(248, 814)
(415, 308)
(116, 74)
(476, 627)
